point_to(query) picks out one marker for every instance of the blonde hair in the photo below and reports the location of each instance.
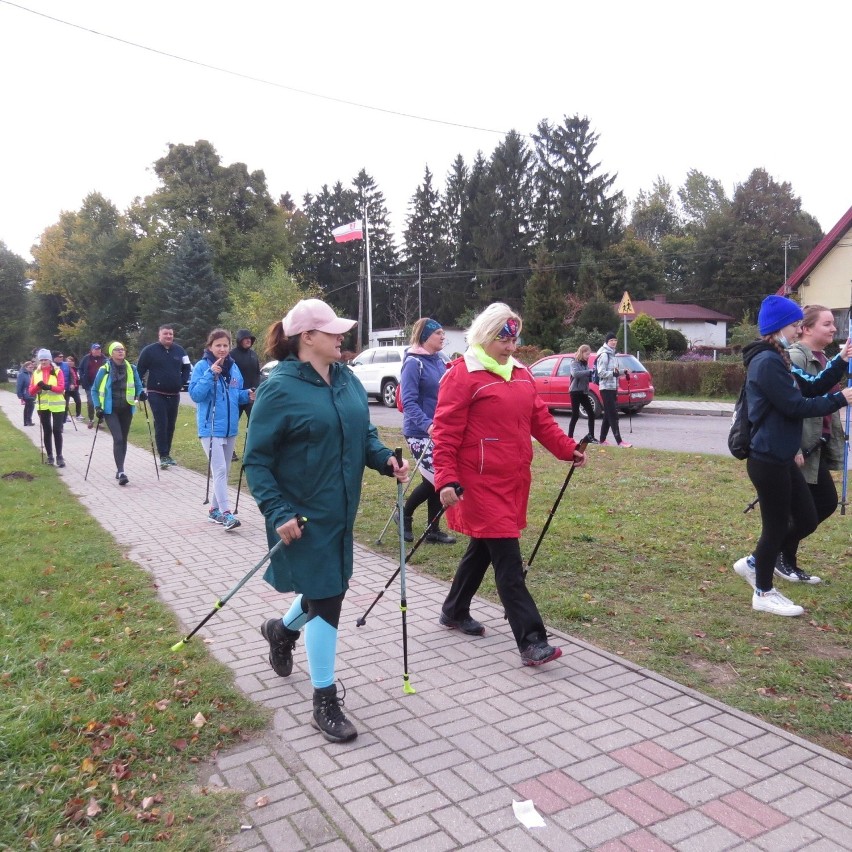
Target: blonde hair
(583, 352)
(486, 326)
(417, 330)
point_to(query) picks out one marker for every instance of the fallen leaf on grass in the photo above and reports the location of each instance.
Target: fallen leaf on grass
(179, 745)
(162, 704)
(94, 808)
(700, 634)
(199, 721)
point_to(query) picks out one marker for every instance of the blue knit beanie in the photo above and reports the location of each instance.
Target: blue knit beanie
(776, 312)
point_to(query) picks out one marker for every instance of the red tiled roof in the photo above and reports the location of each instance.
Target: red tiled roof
(667, 311)
(823, 247)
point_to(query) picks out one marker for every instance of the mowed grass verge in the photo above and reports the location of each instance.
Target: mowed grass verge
(638, 561)
(101, 728)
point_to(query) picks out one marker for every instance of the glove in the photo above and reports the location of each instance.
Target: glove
(44, 385)
(99, 413)
(142, 396)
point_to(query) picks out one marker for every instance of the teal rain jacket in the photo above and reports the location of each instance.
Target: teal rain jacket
(307, 447)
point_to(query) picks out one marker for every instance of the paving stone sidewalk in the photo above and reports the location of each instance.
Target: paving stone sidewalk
(613, 756)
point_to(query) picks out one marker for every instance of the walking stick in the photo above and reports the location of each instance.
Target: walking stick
(395, 512)
(68, 414)
(629, 400)
(92, 451)
(407, 688)
(222, 601)
(363, 619)
(843, 501)
(581, 447)
(40, 428)
(210, 445)
(242, 468)
(151, 437)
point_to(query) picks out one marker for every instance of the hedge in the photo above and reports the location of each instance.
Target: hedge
(696, 378)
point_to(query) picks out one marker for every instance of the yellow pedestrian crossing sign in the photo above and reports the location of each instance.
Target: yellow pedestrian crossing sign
(626, 306)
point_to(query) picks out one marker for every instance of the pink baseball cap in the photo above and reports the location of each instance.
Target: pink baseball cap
(314, 315)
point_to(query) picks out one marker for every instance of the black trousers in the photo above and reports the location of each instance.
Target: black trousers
(505, 555)
(118, 424)
(787, 513)
(75, 395)
(610, 415)
(824, 494)
(423, 493)
(580, 399)
(51, 427)
(164, 410)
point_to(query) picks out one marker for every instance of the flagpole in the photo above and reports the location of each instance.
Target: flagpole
(369, 284)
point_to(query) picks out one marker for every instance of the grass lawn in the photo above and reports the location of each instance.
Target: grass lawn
(638, 561)
(100, 732)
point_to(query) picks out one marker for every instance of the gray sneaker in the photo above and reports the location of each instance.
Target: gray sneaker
(539, 653)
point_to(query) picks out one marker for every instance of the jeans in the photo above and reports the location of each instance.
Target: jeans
(220, 451)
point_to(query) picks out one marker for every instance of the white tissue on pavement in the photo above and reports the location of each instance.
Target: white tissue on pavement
(527, 814)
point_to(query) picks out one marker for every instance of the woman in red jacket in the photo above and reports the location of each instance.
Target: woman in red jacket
(487, 413)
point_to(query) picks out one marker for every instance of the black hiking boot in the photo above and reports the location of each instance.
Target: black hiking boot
(439, 537)
(328, 716)
(282, 641)
(467, 625)
(407, 532)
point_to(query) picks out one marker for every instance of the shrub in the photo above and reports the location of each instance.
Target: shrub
(676, 341)
(530, 354)
(697, 378)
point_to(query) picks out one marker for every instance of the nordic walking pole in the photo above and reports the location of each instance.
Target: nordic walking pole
(407, 688)
(150, 435)
(843, 500)
(363, 619)
(242, 468)
(40, 428)
(581, 447)
(222, 601)
(629, 400)
(410, 481)
(92, 451)
(210, 445)
(68, 414)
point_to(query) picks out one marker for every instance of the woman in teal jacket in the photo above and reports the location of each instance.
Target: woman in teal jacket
(309, 442)
(216, 387)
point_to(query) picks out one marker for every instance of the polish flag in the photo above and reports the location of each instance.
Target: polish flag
(345, 233)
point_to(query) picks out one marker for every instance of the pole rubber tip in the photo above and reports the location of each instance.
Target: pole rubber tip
(178, 645)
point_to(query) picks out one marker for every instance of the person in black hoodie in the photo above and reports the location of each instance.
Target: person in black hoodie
(776, 407)
(246, 359)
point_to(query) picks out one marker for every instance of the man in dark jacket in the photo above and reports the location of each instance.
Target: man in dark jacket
(164, 367)
(92, 361)
(246, 359)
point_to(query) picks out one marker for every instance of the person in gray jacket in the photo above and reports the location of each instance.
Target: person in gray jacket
(607, 367)
(822, 437)
(581, 374)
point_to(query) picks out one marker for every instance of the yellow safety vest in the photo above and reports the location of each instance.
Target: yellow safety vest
(51, 400)
(130, 391)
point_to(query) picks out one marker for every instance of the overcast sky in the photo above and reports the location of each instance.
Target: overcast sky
(723, 88)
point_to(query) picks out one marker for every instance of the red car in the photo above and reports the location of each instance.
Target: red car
(553, 378)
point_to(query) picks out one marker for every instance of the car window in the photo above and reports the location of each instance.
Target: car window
(393, 355)
(543, 367)
(381, 357)
(565, 367)
(366, 357)
(628, 362)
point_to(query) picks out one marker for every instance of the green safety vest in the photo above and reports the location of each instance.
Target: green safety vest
(51, 400)
(130, 392)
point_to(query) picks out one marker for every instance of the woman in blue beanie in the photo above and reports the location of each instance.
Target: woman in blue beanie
(776, 407)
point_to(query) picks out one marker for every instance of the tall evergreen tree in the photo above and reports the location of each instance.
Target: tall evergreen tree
(196, 295)
(576, 206)
(655, 213)
(504, 233)
(13, 307)
(544, 304)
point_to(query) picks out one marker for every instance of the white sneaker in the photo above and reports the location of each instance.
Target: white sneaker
(746, 570)
(773, 601)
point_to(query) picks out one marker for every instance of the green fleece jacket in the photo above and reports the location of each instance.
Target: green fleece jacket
(307, 447)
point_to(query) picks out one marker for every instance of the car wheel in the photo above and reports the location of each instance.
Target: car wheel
(389, 393)
(596, 406)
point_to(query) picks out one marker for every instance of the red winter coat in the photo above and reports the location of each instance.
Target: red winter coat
(483, 429)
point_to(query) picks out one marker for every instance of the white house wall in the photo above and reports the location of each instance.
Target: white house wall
(700, 333)
(829, 283)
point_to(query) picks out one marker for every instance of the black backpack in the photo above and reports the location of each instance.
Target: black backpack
(739, 437)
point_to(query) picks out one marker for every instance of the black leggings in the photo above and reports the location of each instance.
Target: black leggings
(51, 427)
(75, 395)
(505, 555)
(118, 424)
(580, 399)
(610, 415)
(824, 494)
(787, 513)
(423, 493)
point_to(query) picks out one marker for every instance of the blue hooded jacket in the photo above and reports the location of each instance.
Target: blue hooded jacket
(226, 390)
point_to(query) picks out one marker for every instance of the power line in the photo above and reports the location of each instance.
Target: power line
(252, 78)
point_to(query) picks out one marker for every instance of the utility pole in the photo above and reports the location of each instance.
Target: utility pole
(788, 246)
(419, 293)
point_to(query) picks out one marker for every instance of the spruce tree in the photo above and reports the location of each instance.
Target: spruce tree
(544, 304)
(195, 295)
